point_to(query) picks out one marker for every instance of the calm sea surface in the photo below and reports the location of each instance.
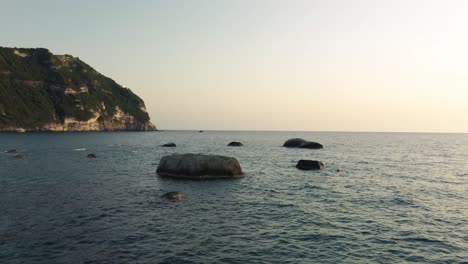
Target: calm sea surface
(400, 198)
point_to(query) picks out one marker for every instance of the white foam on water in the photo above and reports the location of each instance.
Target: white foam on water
(79, 149)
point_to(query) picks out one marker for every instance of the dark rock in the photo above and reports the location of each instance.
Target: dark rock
(201, 131)
(235, 144)
(11, 151)
(312, 145)
(18, 156)
(199, 167)
(172, 144)
(301, 143)
(92, 156)
(309, 165)
(173, 195)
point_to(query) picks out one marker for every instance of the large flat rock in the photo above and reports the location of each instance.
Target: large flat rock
(199, 167)
(301, 143)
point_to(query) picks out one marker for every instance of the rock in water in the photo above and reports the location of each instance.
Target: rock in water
(312, 145)
(173, 195)
(235, 144)
(309, 165)
(301, 143)
(92, 156)
(199, 167)
(18, 156)
(172, 144)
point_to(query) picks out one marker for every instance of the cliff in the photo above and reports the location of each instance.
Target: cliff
(40, 91)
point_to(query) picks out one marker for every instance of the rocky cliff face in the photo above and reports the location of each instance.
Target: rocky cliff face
(40, 91)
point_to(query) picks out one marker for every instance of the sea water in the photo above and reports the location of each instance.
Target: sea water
(399, 197)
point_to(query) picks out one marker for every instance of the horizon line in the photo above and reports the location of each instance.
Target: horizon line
(320, 131)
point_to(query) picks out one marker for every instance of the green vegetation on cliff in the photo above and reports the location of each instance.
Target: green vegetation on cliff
(39, 88)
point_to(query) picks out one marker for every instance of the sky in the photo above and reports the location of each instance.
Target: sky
(331, 65)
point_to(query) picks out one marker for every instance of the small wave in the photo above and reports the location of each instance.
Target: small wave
(419, 259)
(401, 201)
(49, 243)
(99, 217)
(79, 149)
(421, 239)
(283, 205)
(280, 205)
(383, 241)
(319, 237)
(311, 187)
(428, 241)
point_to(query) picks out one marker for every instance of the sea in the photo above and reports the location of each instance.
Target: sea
(381, 198)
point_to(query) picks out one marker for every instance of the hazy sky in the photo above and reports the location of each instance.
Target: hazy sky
(268, 65)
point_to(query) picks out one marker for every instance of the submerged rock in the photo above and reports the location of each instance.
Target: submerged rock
(18, 156)
(91, 156)
(171, 144)
(302, 143)
(199, 167)
(173, 195)
(309, 165)
(235, 144)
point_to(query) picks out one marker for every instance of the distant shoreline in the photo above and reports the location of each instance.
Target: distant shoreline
(240, 131)
(77, 131)
(312, 131)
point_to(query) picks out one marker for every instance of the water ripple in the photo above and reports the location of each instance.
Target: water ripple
(400, 198)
